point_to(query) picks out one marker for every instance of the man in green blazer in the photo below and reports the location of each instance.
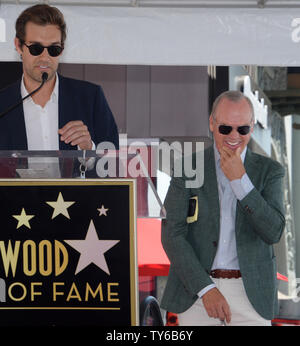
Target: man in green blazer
(219, 237)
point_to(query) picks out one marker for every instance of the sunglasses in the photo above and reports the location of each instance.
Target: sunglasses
(37, 49)
(242, 130)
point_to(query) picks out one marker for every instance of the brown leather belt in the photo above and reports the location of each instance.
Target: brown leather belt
(225, 274)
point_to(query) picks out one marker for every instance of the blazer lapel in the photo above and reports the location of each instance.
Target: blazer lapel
(211, 188)
(65, 110)
(251, 167)
(16, 121)
(253, 172)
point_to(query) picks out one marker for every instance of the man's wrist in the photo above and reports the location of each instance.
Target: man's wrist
(241, 187)
(205, 290)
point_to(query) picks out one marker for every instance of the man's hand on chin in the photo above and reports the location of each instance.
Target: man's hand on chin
(231, 163)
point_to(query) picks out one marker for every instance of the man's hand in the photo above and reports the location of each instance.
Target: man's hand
(216, 305)
(231, 163)
(76, 133)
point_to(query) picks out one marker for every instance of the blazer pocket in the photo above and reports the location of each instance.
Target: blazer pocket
(193, 210)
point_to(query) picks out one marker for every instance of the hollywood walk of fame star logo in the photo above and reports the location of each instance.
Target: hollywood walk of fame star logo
(92, 250)
(23, 219)
(102, 210)
(60, 206)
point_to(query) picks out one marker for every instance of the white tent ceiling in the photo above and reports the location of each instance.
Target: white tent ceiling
(168, 3)
(132, 32)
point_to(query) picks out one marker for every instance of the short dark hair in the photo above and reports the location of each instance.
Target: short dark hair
(233, 96)
(41, 14)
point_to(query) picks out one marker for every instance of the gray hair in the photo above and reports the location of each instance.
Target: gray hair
(233, 96)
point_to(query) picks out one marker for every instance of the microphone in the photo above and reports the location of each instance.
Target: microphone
(44, 79)
(44, 76)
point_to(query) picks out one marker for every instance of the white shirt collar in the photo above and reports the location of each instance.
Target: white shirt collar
(54, 95)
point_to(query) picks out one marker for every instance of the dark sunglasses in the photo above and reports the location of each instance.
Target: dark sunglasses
(37, 49)
(242, 130)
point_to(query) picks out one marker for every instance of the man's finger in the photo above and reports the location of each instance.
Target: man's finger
(210, 312)
(69, 125)
(228, 151)
(238, 151)
(221, 315)
(71, 136)
(225, 154)
(227, 313)
(75, 131)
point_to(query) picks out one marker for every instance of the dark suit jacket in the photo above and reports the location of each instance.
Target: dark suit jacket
(192, 247)
(78, 100)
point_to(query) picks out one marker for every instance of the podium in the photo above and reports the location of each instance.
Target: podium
(68, 251)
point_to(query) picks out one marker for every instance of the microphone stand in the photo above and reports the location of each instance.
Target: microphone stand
(44, 78)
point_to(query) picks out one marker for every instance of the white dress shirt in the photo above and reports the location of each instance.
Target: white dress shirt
(41, 125)
(41, 122)
(229, 192)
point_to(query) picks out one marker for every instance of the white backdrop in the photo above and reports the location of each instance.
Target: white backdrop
(171, 36)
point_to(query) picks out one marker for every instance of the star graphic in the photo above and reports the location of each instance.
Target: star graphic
(102, 210)
(92, 250)
(23, 219)
(60, 206)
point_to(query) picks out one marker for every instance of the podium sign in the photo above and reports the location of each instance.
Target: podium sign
(68, 252)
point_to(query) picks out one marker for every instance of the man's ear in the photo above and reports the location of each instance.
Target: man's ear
(211, 123)
(18, 46)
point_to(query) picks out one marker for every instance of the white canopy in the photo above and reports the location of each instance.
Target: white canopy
(170, 36)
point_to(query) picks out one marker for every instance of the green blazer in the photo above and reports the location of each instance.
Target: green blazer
(192, 247)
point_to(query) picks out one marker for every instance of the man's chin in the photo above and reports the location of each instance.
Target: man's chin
(38, 75)
(51, 75)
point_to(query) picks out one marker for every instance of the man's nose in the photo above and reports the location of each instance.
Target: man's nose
(234, 133)
(45, 54)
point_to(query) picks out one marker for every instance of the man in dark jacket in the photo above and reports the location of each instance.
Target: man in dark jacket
(65, 113)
